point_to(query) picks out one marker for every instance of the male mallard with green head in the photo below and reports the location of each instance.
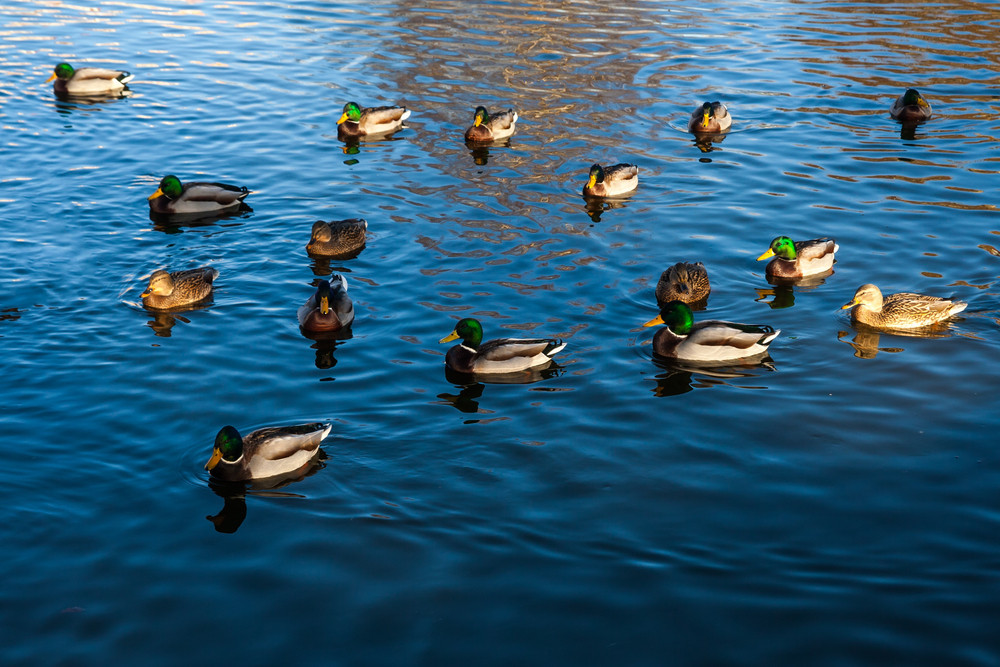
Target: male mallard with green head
(501, 355)
(173, 198)
(904, 310)
(711, 340)
(486, 127)
(329, 309)
(87, 80)
(611, 181)
(797, 259)
(266, 452)
(357, 122)
(910, 107)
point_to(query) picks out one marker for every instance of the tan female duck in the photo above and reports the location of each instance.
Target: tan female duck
(486, 127)
(179, 288)
(711, 340)
(501, 355)
(798, 259)
(683, 282)
(88, 80)
(266, 452)
(903, 310)
(357, 122)
(337, 238)
(611, 181)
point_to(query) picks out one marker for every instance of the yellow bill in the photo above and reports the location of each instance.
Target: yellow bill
(450, 337)
(214, 461)
(767, 253)
(653, 322)
(155, 194)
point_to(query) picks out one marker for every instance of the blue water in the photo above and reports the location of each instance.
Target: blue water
(835, 506)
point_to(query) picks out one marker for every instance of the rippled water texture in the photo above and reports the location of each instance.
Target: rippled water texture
(834, 506)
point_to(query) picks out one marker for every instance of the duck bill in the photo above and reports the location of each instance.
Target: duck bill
(146, 293)
(849, 304)
(704, 120)
(653, 322)
(921, 102)
(156, 194)
(343, 117)
(324, 305)
(214, 461)
(51, 77)
(592, 181)
(767, 253)
(450, 337)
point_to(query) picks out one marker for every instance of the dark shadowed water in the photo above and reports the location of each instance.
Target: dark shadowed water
(836, 506)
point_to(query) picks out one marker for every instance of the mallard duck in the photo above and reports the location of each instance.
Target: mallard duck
(910, 107)
(797, 259)
(329, 309)
(486, 128)
(711, 340)
(710, 117)
(502, 355)
(172, 198)
(336, 238)
(904, 310)
(178, 288)
(87, 80)
(683, 282)
(358, 122)
(611, 181)
(266, 452)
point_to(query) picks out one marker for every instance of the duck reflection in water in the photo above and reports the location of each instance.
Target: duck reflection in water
(682, 377)
(782, 290)
(163, 321)
(234, 507)
(867, 339)
(471, 386)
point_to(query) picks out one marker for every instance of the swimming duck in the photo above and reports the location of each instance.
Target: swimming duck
(711, 340)
(337, 238)
(329, 309)
(266, 452)
(358, 122)
(710, 117)
(178, 288)
(683, 282)
(797, 259)
(486, 128)
(910, 107)
(611, 181)
(904, 310)
(87, 80)
(502, 355)
(172, 198)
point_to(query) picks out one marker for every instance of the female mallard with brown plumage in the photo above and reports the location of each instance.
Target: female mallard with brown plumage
(337, 238)
(174, 198)
(611, 181)
(266, 452)
(88, 80)
(711, 340)
(710, 117)
(178, 288)
(488, 127)
(501, 355)
(357, 122)
(329, 309)
(904, 310)
(910, 107)
(797, 259)
(683, 282)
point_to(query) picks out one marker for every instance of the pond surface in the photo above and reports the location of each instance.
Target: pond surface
(834, 506)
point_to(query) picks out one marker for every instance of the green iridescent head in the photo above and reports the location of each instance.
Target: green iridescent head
(482, 115)
(677, 316)
(782, 247)
(352, 112)
(469, 330)
(170, 186)
(912, 97)
(596, 175)
(63, 71)
(228, 446)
